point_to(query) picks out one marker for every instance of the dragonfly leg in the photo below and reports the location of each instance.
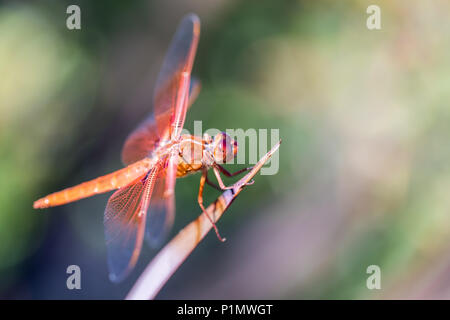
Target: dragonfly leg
(228, 174)
(222, 185)
(219, 179)
(200, 202)
(212, 184)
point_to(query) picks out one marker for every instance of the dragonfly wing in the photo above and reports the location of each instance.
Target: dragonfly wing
(144, 138)
(172, 86)
(194, 90)
(140, 142)
(124, 222)
(160, 215)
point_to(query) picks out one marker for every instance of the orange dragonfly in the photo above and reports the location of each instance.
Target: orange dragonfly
(156, 153)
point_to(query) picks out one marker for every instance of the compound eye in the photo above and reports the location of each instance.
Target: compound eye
(221, 150)
(224, 150)
(227, 149)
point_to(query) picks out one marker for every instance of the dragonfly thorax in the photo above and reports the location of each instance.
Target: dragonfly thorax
(196, 153)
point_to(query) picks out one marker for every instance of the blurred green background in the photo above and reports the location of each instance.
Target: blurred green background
(364, 173)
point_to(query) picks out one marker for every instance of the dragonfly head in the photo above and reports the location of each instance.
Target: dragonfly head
(224, 148)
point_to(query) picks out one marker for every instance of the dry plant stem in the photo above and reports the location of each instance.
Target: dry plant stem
(169, 259)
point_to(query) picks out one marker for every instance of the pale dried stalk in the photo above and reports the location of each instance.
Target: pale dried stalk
(169, 259)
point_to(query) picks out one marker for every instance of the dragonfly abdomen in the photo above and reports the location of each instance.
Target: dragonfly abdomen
(102, 184)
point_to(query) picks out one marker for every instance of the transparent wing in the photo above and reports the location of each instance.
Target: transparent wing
(172, 86)
(160, 215)
(124, 222)
(194, 90)
(140, 142)
(144, 138)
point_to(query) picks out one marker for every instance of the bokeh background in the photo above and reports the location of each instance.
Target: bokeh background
(364, 166)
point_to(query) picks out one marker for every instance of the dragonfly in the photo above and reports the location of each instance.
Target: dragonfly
(156, 153)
